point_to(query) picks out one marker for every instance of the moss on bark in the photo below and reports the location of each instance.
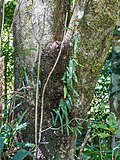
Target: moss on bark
(95, 32)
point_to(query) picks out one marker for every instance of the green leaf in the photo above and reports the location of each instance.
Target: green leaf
(68, 103)
(78, 130)
(103, 135)
(53, 118)
(111, 121)
(69, 98)
(102, 126)
(1, 145)
(58, 115)
(39, 83)
(65, 92)
(56, 118)
(21, 118)
(26, 77)
(24, 89)
(64, 77)
(21, 154)
(62, 103)
(69, 83)
(75, 77)
(71, 69)
(23, 144)
(18, 105)
(117, 31)
(75, 92)
(20, 127)
(71, 129)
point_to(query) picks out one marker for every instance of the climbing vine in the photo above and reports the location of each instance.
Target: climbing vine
(70, 93)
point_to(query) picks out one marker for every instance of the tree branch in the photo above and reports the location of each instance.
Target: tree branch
(77, 15)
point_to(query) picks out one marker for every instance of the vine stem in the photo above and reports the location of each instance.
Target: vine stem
(37, 94)
(84, 143)
(48, 78)
(55, 129)
(113, 142)
(37, 85)
(100, 149)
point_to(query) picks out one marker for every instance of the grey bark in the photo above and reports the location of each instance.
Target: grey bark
(115, 81)
(94, 21)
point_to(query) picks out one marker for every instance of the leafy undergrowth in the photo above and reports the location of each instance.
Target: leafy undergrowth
(102, 123)
(12, 147)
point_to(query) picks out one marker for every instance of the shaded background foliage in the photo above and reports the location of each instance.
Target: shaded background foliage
(7, 45)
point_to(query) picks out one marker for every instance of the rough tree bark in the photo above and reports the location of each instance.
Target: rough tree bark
(94, 21)
(115, 81)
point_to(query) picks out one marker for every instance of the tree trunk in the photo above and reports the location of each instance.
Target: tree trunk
(115, 80)
(38, 32)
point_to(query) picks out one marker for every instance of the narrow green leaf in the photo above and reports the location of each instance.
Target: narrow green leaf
(102, 126)
(68, 103)
(39, 83)
(103, 135)
(75, 77)
(21, 154)
(26, 77)
(25, 144)
(61, 121)
(15, 108)
(53, 118)
(71, 129)
(75, 92)
(78, 130)
(56, 118)
(62, 103)
(58, 115)
(69, 98)
(65, 92)
(1, 145)
(21, 118)
(20, 127)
